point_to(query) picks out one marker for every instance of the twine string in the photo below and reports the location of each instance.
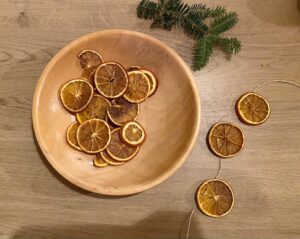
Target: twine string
(189, 222)
(273, 81)
(193, 210)
(220, 166)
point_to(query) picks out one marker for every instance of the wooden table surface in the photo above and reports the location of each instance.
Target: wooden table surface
(35, 202)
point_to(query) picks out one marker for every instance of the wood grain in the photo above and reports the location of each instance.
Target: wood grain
(37, 203)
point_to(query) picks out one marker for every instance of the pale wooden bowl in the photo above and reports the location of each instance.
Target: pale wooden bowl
(171, 117)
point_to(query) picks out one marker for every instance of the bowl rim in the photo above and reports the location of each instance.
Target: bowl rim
(112, 191)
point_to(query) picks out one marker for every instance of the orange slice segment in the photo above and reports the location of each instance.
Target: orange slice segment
(97, 109)
(99, 162)
(93, 136)
(71, 135)
(119, 150)
(225, 140)
(133, 133)
(111, 80)
(138, 87)
(215, 198)
(90, 58)
(76, 94)
(253, 109)
(121, 111)
(105, 156)
(152, 80)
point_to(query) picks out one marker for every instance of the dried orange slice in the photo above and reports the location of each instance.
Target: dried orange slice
(119, 150)
(99, 162)
(253, 109)
(121, 111)
(105, 156)
(225, 139)
(93, 136)
(89, 58)
(111, 80)
(72, 135)
(97, 109)
(76, 94)
(215, 198)
(133, 68)
(133, 133)
(138, 87)
(88, 74)
(152, 80)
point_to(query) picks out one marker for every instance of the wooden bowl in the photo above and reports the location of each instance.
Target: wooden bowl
(171, 117)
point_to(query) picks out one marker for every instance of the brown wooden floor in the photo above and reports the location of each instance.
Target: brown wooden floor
(35, 202)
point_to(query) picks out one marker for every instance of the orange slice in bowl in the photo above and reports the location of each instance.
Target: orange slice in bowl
(76, 94)
(111, 80)
(89, 58)
(72, 135)
(225, 139)
(93, 136)
(215, 198)
(97, 109)
(121, 111)
(118, 150)
(133, 133)
(99, 162)
(138, 87)
(134, 68)
(88, 74)
(152, 80)
(105, 156)
(253, 109)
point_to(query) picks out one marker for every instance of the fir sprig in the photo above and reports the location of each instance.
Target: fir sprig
(197, 21)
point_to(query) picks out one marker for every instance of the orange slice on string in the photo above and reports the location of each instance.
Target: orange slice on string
(72, 135)
(90, 58)
(152, 80)
(111, 80)
(105, 156)
(215, 198)
(97, 109)
(225, 140)
(138, 87)
(118, 150)
(121, 111)
(99, 162)
(252, 109)
(93, 136)
(76, 94)
(133, 133)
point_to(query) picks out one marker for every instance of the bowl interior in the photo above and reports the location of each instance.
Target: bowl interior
(170, 117)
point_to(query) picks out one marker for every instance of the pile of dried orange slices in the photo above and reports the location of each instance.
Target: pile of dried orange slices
(105, 101)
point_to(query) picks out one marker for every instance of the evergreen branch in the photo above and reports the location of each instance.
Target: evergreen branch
(202, 52)
(229, 45)
(147, 9)
(167, 14)
(223, 23)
